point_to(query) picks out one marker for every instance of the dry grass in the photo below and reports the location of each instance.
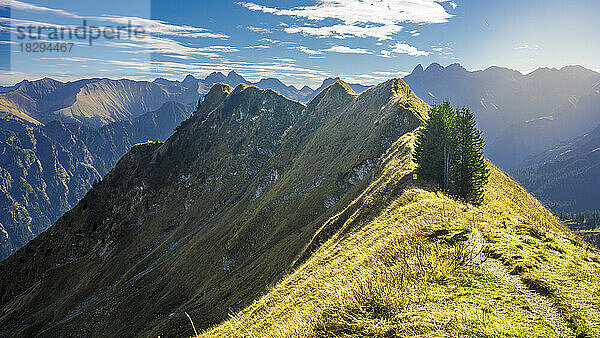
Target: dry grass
(406, 271)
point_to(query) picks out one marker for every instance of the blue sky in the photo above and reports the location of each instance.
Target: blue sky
(302, 42)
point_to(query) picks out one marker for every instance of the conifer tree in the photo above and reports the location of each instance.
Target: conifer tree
(435, 145)
(449, 152)
(470, 171)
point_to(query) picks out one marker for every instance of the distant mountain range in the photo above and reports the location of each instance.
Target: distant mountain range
(566, 177)
(44, 171)
(304, 95)
(520, 115)
(96, 102)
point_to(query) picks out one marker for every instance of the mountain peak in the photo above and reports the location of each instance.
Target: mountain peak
(306, 89)
(215, 77)
(456, 67)
(214, 97)
(342, 85)
(434, 67)
(234, 78)
(335, 92)
(188, 80)
(418, 69)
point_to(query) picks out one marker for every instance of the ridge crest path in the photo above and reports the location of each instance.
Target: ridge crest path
(541, 305)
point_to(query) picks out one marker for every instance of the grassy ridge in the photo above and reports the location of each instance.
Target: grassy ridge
(398, 264)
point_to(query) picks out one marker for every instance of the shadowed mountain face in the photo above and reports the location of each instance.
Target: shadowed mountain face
(44, 171)
(567, 176)
(205, 221)
(519, 114)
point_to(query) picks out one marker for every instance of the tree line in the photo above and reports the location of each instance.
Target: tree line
(449, 152)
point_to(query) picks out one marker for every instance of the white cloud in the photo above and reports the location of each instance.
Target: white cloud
(23, 6)
(348, 50)
(345, 31)
(361, 18)
(283, 59)
(523, 47)
(306, 50)
(364, 11)
(151, 26)
(403, 48)
(258, 29)
(158, 35)
(453, 5)
(373, 77)
(269, 40)
(391, 74)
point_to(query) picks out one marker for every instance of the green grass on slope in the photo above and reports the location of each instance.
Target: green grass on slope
(405, 270)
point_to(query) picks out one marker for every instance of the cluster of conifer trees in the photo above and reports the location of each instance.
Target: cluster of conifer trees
(449, 152)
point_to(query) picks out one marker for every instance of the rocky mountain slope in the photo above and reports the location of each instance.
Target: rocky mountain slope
(44, 171)
(204, 222)
(566, 177)
(520, 115)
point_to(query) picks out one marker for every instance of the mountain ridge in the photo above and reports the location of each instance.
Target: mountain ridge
(226, 188)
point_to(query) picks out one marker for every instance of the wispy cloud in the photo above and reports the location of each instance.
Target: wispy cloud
(258, 29)
(403, 48)
(306, 50)
(361, 18)
(151, 26)
(528, 46)
(373, 77)
(348, 50)
(23, 6)
(344, 31)
(158, 36)
(444, 50)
